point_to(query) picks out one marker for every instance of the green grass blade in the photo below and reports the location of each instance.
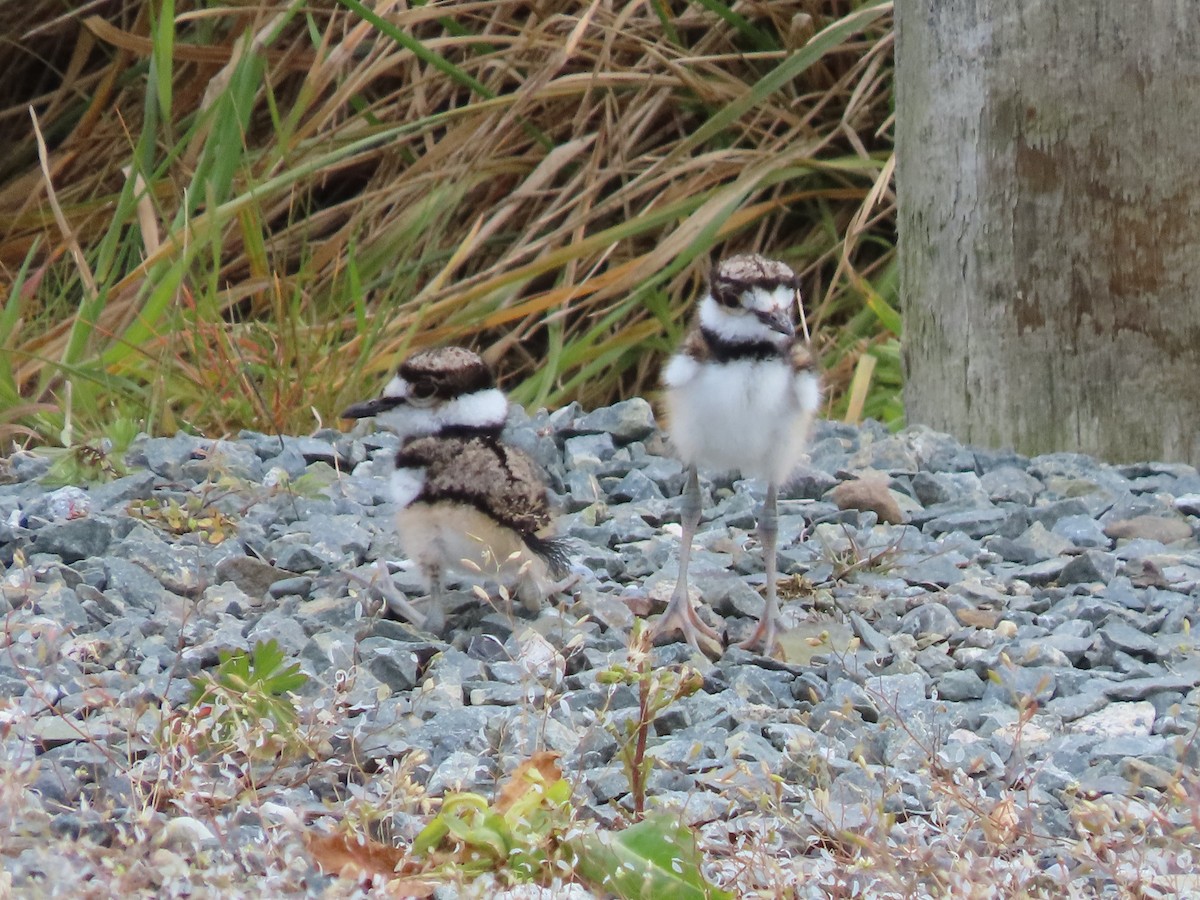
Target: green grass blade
(161, 59)
(759, 38)
(822, 43)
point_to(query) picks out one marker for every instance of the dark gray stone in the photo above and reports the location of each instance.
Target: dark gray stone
(1038, 544)
(889, 454)
(223, 459)
(929, 620)
(976, 523)
(1010, 484)
(929, 489)
(165, 456)
(74, 540)
(588, 451)
(870, 636)
(1141, 688)
(635, 487)
(668, 474)
(133, 584)
(762, 686)
(808, 482)
(1041, 573)
(1089, 566)
(297, 584)
(899, 695)
(1082, 531)
(117, 493)
(1070, 707)
(1050, 512)
(629, 420)
(959, 685)
(1016, 684)
(1121, 636)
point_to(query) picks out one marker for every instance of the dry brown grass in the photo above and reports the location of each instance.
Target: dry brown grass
(324, 190)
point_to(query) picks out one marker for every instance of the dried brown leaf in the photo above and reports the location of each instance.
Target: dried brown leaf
(540, 769)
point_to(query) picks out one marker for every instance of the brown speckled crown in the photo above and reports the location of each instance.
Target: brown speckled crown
(731, 277)
(446, 372)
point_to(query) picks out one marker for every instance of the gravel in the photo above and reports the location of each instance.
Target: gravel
(1017, 628)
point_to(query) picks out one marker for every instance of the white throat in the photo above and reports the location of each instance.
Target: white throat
(742, 327)
(483, 409)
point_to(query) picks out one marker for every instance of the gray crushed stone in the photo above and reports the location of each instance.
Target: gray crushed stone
(1028, 626)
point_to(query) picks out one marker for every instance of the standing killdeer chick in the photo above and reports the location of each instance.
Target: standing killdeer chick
(741, 393)
(469, 503)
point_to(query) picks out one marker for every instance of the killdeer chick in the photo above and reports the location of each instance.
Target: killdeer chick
(741, 393)
(469, 503)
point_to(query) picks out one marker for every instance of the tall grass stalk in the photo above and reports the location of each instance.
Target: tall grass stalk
(232, 217)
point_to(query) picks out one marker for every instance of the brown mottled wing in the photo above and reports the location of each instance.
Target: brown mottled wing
(694, 344)
(496, 479)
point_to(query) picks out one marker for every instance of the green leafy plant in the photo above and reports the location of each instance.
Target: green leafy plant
(528, 834)
(192, 516)
(245, 702)
(657, 857)
(518, 836)
(94, 460)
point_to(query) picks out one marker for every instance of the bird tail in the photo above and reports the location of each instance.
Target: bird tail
(555, 551)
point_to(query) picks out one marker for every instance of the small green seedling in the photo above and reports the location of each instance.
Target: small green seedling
(657, 690)
(247, 702)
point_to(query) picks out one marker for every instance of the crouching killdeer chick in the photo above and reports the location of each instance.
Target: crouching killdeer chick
(469, 503)
(741, 393)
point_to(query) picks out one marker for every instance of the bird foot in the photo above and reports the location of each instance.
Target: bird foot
(565, 584)
(394, 601)
(681, 616)
(766, 636)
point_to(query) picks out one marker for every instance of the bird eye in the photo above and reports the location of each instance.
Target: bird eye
(727, 297)
(422, 394)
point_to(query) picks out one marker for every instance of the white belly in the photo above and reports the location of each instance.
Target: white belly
(451, 537)
(748, 415)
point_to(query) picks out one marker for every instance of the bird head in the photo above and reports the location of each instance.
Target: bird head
(437, 391)
(751, 299)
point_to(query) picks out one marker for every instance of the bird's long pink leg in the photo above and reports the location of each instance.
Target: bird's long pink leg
(770, 623)
(680, 615)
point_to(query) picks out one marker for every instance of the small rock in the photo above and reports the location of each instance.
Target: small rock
(165, 456)
(1141, 688)
(629, 420)
(1081, 530)
(869, 495)
(807, 482)
(74, 540)
(871, 637)
(588, 451)
(959, 685)
(1117, 720)
(297, 584)
(889, 454)
(1188, 504)
(635, 487)
(929, 620)
(1128, 639)
(975, 523)
(1010, 484)
(1090, 566)
(1150, 528)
